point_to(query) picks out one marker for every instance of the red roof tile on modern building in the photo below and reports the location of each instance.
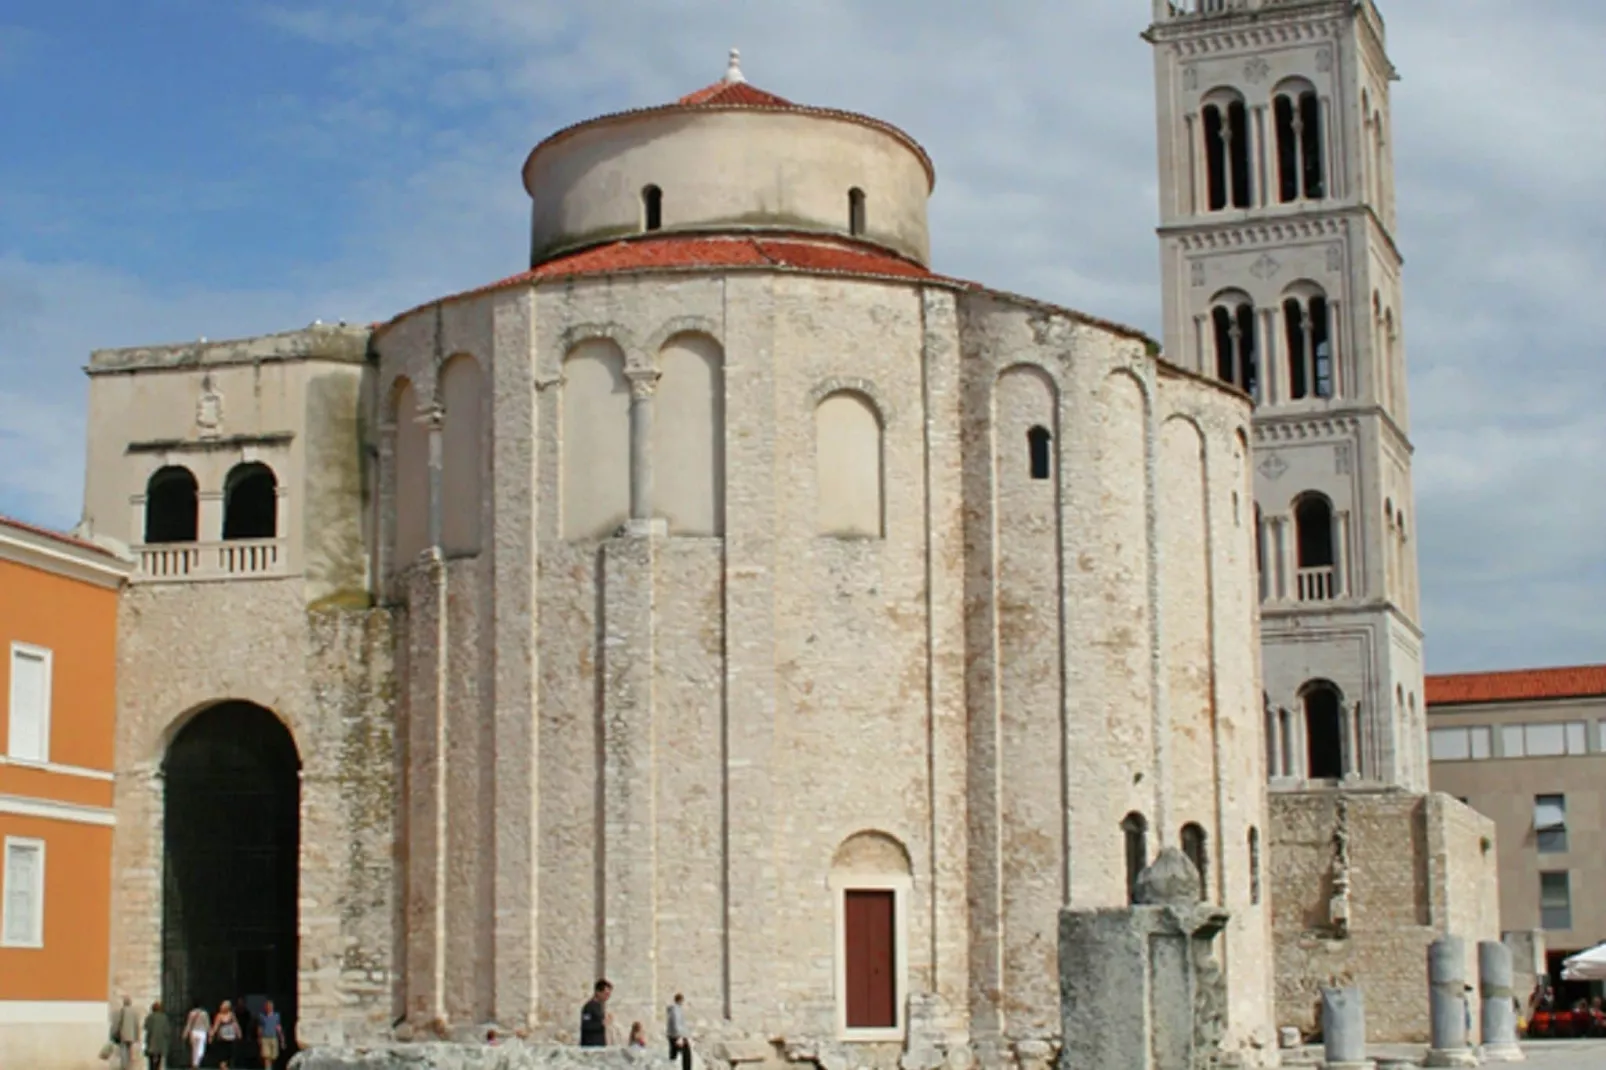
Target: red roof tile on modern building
(1515, 685)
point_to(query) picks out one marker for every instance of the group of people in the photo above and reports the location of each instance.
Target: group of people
(226, 1037)
(596, 1026)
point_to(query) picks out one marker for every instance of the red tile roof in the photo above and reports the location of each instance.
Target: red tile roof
(735, 94)
(691, 253)
(1515, 685)
(56, 536)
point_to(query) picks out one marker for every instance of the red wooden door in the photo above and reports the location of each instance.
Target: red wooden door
(872, 990)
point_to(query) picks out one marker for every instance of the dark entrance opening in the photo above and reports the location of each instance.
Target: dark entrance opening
(1324, 734)
(231, 862)
(871, 951)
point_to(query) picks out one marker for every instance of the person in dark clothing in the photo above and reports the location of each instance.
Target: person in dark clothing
(594, 1017)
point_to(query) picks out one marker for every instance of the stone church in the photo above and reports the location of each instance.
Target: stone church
(732, 604)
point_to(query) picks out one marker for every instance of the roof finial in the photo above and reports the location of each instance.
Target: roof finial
(733, 72)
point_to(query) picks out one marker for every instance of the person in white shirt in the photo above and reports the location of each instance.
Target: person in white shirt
(679, 1035)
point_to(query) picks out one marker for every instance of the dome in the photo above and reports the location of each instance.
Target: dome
(729, 157)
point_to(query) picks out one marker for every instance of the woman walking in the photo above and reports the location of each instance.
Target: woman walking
(158, 1034)
(196, 1029)
(228, 1036)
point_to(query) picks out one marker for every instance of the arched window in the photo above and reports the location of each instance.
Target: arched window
(652, 208)
(1226, 133)
(1317, 562)
(250, 503)
(1324, 732)
(1233, 323)
(1135, 830)
(172, 507)
(1254, 865)
(1039, 445)
(688, 432)
(1308, 325)
(1194, 846)
(847, 445)
(1300, 171)
(856, 211)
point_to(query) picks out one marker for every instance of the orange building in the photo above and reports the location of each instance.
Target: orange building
(58, 678)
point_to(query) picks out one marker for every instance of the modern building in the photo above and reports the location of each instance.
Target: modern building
(58, 676)
(1281, 276)
(1528, 748)
(730, 603)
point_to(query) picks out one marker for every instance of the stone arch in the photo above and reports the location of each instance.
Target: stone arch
(410, 459)
(1135, 834)
(850, 499)
(689, 435)
(669, 329)
(1224, 121)
(1296, 118)
(230, 923)
(595, 439)
(172, 505)
(871, 881)
(462, 397)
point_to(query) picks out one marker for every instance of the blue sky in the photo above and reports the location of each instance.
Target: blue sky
(178, 168)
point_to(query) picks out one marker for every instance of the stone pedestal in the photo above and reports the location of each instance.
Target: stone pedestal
(1448, 1003)
(1140, 988)
(1344, 1029)
(1498, 1006)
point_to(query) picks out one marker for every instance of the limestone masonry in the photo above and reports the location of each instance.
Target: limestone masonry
(731, 605)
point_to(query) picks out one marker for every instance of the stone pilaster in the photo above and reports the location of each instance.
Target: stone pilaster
(629, 847)
(426, 787)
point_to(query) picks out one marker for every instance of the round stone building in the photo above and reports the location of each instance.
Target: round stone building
(760, 616)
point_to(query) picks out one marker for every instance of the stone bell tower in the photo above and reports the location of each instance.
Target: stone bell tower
(1281, 275)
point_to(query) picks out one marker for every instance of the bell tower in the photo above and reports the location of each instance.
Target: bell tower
(1281, 276)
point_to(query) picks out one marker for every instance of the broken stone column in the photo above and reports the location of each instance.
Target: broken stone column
(1498, 1011)
(1140, 988)
(1447, 1002)
(1344, 1029)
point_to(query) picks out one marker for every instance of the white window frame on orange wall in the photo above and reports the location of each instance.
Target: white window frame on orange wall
(37, 894)
(43, 654)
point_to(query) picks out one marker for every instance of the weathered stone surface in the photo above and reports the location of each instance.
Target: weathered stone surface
(511, 1055)
(1497, 1002)
(1448, 999)
(1343, 1026)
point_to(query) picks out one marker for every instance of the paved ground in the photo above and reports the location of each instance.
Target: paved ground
(1542, 1055)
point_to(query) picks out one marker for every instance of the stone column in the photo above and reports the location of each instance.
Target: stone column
(1274, 738)
(1499, 1013)
(1344, 1028)
(643, 382)
(1448, 1003)
(433, 420)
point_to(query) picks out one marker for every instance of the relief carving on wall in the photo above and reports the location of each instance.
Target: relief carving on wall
(1324, 58)
(1256, 70)
(1273, 466)
(1265, 267)
(1335, 258)
(208, 410)
(1190, 77)
(1342, 459)
(1196, 271)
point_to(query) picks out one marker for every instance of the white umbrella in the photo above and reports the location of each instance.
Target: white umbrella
(1586, 965)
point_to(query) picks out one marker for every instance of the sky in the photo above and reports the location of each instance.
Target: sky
(171, 169)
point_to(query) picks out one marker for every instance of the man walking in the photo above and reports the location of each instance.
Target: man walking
(270, 1035)
(125, 1033)
(679, 1035)
(594, 1017)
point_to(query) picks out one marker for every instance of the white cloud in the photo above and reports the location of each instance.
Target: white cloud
(1040, 119)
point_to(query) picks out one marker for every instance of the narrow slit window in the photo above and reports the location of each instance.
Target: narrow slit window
(1038, 443)
(1254, 866)
(856, 211)
(1310, 133)
(1287, 151)
(1238, 152)
(652, 205)
(1215, 158)
(1294, 321)
(1135, 831)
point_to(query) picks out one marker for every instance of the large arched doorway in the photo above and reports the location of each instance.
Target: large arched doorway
(231, 862)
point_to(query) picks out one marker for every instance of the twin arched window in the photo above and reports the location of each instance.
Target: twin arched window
(1297, 112)
(1301, 171)
(1233, 325)
(1308, 326)
(250, 504)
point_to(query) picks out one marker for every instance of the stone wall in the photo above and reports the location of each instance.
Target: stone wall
(326, 675)
(711, 721)
(1402, 868)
